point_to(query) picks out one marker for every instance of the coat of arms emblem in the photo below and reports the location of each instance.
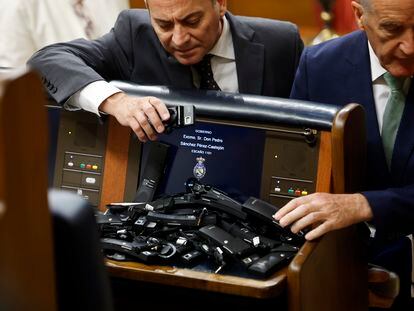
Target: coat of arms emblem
(199, 170)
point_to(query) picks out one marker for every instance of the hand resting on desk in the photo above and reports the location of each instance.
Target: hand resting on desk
(324, 212)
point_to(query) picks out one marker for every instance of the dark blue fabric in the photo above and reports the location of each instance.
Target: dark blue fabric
(338, 72)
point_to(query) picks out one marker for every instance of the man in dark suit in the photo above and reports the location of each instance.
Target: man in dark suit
(373, 67)
(168, 45)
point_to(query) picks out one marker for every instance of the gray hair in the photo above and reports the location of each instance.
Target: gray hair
(366, 4)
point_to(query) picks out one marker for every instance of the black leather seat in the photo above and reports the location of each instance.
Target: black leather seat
(81, 279)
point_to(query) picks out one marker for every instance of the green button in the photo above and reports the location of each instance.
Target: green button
(291, 191)
(82, 165)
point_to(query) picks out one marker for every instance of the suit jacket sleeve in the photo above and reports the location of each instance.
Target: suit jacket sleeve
(68, 67)
(393, 210)
(300, 83)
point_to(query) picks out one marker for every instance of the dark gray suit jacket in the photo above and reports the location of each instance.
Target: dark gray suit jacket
(267, 54)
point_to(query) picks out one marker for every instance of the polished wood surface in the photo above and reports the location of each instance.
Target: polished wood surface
(349, 153)
(333, 270)
(335, 263)
(116, 163)
(269, 288)
(303, 13)
(137, 4)
(329, 274)
(26, 254)
(323, 179)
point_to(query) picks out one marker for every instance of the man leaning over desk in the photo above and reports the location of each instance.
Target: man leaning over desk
(179, 43)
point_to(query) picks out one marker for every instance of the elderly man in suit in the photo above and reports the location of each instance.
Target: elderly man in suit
(373, 67)
(180, 43)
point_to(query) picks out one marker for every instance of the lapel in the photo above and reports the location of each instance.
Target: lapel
(359, 87)
(404, 142)
(249, 57)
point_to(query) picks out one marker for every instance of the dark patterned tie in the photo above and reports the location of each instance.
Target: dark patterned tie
(203, 68)
(392, 114)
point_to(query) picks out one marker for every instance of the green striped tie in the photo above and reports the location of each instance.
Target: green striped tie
(392, 114)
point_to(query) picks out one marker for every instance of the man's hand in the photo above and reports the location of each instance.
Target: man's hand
(144, 115)
(324, 212)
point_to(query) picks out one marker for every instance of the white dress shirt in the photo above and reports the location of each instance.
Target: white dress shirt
(28, 25)
(380, 88)
(223, 62)
(223, 65)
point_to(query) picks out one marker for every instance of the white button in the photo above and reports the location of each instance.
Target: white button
(70, 164)
(90, 180)
(188, 120)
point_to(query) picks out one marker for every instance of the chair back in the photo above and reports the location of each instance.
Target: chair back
(27, 279)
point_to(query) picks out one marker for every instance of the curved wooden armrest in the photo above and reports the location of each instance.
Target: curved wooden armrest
(383, 287)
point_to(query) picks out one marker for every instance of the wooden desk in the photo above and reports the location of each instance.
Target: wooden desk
(328, 274)
(226, 284)
(318, 278)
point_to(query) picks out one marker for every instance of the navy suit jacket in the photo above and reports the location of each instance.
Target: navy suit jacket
(339, 72)
(267, 53)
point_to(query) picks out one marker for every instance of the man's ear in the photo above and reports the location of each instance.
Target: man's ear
(223, 6)
(358, 13)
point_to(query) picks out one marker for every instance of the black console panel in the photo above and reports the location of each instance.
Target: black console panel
(234, 145)
(274, 164)
(80, 154)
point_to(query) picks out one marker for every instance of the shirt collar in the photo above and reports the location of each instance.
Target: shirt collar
(376, 69)
(224, 45)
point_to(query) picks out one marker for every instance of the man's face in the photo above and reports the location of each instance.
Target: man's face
(187, 29)
(389, 25)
